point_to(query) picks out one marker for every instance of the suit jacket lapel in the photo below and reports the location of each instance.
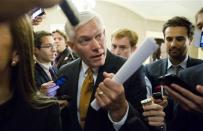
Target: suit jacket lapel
(189, 62)
(74, 81)
(43, 73)
(165, 66)
(107, 67)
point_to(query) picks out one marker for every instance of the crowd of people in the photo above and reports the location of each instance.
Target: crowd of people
(49, 79)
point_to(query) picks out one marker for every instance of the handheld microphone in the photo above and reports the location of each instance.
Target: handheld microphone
(70, 11)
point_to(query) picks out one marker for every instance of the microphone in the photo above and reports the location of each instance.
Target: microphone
(70, 11)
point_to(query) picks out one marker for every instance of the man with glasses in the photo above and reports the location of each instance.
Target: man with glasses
(45, 53)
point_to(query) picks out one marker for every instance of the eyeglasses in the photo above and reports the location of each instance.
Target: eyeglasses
(48, 45)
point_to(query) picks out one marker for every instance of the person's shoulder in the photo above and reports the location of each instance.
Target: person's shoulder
(193, 70)
(194, 61)
(115, 59)
(69, 65)
(156, 64)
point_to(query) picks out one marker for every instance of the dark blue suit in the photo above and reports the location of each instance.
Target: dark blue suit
(41, 76)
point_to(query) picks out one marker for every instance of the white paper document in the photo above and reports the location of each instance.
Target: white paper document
(147, 48)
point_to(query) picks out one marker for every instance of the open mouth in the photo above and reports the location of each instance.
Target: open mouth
(98, 56)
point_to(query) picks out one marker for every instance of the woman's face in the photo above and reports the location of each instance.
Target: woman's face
(5, 47)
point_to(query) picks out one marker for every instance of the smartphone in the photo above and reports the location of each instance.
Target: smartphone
(37, 12)
(171, 78)
(158, 95)
(201, 40)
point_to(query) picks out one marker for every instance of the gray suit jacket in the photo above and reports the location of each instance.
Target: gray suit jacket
(135, 91)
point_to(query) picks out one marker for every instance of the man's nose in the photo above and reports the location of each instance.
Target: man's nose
(95, 44)
(117, 51)
(173, 42)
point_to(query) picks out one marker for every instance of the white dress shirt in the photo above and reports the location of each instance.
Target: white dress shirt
(82, 75)
(171, 67)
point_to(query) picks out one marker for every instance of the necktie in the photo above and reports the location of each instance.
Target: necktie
(177, 69)
(85, 95)
(53, 73)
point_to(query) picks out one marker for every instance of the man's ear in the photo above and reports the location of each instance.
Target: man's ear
(15, 58)
(191, 41)
(133, 49)
(36, 50)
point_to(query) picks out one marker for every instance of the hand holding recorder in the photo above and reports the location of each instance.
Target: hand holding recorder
(153, 113)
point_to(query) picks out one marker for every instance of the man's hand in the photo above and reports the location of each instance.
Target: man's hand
(163, 102)
(188, 100)
(62, 103)
(37, 20)
(45, 87)
(111, 96)
(154, 114)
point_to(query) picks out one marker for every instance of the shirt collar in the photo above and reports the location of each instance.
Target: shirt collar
(85, 68)
(45, 66)
(183, 64)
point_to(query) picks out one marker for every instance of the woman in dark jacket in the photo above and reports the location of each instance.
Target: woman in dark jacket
(22, 107)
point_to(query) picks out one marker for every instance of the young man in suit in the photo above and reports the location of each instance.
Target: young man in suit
(178, 34)
(64, 55)
(190, 109)
(186, 98)
(124, 44)
(45, 53)
(120, 104)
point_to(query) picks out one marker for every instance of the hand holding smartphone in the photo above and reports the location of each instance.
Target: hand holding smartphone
(173, 79)
(37, 12)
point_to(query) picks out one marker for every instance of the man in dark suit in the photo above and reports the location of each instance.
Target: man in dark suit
(189, 113)
(120, 104)
(64, 55)
(124, 44)
(178, 34)
(187, 99)
(190, 110)
(45, 52)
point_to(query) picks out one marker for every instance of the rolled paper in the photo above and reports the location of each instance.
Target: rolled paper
(147, 48)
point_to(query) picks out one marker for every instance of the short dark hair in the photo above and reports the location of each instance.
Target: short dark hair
(38, 37)
(180, 21)
(61, 33)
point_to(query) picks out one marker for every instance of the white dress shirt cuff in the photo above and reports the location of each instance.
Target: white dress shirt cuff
(119, 124)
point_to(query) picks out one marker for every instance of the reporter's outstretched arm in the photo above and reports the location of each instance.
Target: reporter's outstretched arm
(188, 100)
